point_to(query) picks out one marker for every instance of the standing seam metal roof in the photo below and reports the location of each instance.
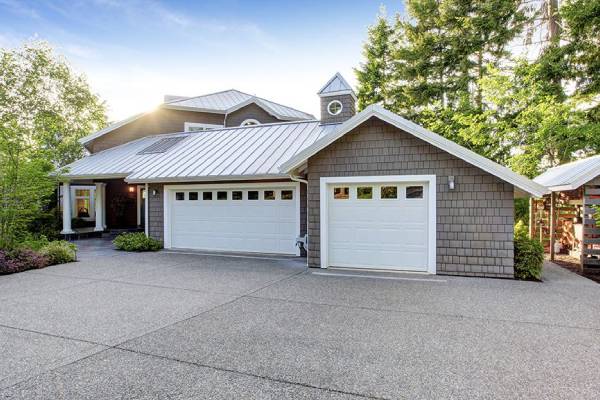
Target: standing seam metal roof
(572, 175)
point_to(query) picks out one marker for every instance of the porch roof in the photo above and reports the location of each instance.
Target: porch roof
(570, 176)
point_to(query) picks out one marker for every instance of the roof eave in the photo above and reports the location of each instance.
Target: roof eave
(210, 178)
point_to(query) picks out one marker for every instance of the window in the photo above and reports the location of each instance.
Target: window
(414, 192)
(250, 122)
(389, 192)
(364, 192)
(334, 107)
(193, 196)
(341, 193)
(253, 195)
(221, 195)
(287, 195)
(269, 195)
(199, 127)
(179, 196)
(83, 203)
(206, 195)
(236, 195)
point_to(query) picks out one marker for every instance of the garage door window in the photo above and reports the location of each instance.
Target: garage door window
(179, 196)
(341, 193)
(206, 195)
(364, 192)
(414, 192)
(287, 195)
(389, 192)
(253, 195)
(221, 195)
(193, 196)
(269, 195)
(236, 195)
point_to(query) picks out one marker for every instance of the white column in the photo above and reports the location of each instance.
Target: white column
(99, 207)
(104, 206)
(66, 206)
(146, 209)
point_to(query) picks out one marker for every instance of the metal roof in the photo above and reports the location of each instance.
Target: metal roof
(250, 152)
(231, 100)
(224, 102)
(572, 175)
(336, 85)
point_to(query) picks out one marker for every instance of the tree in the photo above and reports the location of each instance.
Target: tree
(44, 109)
(374, 74)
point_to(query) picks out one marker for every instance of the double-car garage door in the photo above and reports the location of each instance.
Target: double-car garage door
(263, 219)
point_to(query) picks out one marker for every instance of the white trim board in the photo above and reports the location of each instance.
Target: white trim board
(169, 193)
(432, 209)
(419, 132)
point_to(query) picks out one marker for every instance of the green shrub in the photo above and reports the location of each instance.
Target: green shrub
(136, 242)
(521, 230)
(33, 242)
(529, 258)
(60, 252)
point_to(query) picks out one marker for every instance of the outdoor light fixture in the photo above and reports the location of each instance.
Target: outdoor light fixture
(131, 189)
(154, 192)
(451, 182)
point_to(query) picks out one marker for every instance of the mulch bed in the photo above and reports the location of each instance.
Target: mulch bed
(572, 264)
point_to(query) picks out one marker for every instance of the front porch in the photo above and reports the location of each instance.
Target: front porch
(93, 207)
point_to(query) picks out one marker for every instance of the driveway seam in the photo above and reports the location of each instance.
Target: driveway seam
(456, 316)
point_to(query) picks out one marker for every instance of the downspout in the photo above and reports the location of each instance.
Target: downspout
(305, 243)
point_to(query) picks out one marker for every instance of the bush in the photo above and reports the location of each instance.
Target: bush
(521, 230)
(59, 252)
(529, 258)
(136, 242)
(21, 260)
(32, 242)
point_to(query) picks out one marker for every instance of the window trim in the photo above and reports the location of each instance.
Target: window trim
(425, 180)
(188, 125)
(335, 102)
(250, 122)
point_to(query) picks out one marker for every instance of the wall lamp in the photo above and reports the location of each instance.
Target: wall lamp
(451, 182)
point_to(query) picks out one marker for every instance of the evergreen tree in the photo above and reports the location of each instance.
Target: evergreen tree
(374, 75)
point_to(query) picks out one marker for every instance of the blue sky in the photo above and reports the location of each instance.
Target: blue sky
(134, 52)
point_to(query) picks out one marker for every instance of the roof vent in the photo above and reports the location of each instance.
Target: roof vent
(162, 145)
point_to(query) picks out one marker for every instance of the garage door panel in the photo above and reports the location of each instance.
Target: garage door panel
(267, 226)
(388, 233)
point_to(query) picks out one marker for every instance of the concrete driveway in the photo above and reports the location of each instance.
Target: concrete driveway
(178, 326)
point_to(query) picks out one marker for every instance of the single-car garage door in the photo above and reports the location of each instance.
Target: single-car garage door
(379, 225)
(262, 219)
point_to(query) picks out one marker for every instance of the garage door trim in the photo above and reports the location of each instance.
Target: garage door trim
(169, 195)
(430, 180)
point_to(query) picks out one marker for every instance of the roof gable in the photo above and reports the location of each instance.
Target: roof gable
(572, 175)
(418, 131)
(337, 85)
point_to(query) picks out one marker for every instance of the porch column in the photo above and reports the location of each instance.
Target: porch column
(552, 223)
(66, 207)
(104, 205)
(531, 217)
(99, 207)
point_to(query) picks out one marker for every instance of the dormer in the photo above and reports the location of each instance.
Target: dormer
(338, 100)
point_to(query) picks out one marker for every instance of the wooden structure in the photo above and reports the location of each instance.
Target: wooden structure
(567, 220)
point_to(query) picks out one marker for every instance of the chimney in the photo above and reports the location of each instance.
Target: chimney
(338, 100)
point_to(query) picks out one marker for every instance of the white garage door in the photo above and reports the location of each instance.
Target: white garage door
(250, 219)
(378, 225)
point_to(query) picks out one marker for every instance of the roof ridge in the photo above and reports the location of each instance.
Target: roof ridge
(205, 95)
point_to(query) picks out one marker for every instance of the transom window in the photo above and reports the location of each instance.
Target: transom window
(389, 192)
(253, 195)
(250, 122)
(364, 192)
(334, 107)
(269, 194)
(199, 127)
(221, 195)
(236, 195)
(414, 192)
(193, 196)
(341, 193)
(287, 194)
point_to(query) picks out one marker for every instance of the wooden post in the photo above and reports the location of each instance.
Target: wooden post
(552, 223)
(531, 217)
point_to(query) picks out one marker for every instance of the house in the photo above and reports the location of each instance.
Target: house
(564, 219)
(361, 190)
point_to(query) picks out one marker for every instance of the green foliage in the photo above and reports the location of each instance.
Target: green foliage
(522, 210)
(33, 242)
(44, 109)
(136, 242)
(59, 252)
(529, 258)
(521, 229)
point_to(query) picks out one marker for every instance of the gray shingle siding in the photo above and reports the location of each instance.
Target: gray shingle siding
(474, 221)
(156, 214)
(348, 108)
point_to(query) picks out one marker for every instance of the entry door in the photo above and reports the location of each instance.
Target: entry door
(245, 219)
(378, 225)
